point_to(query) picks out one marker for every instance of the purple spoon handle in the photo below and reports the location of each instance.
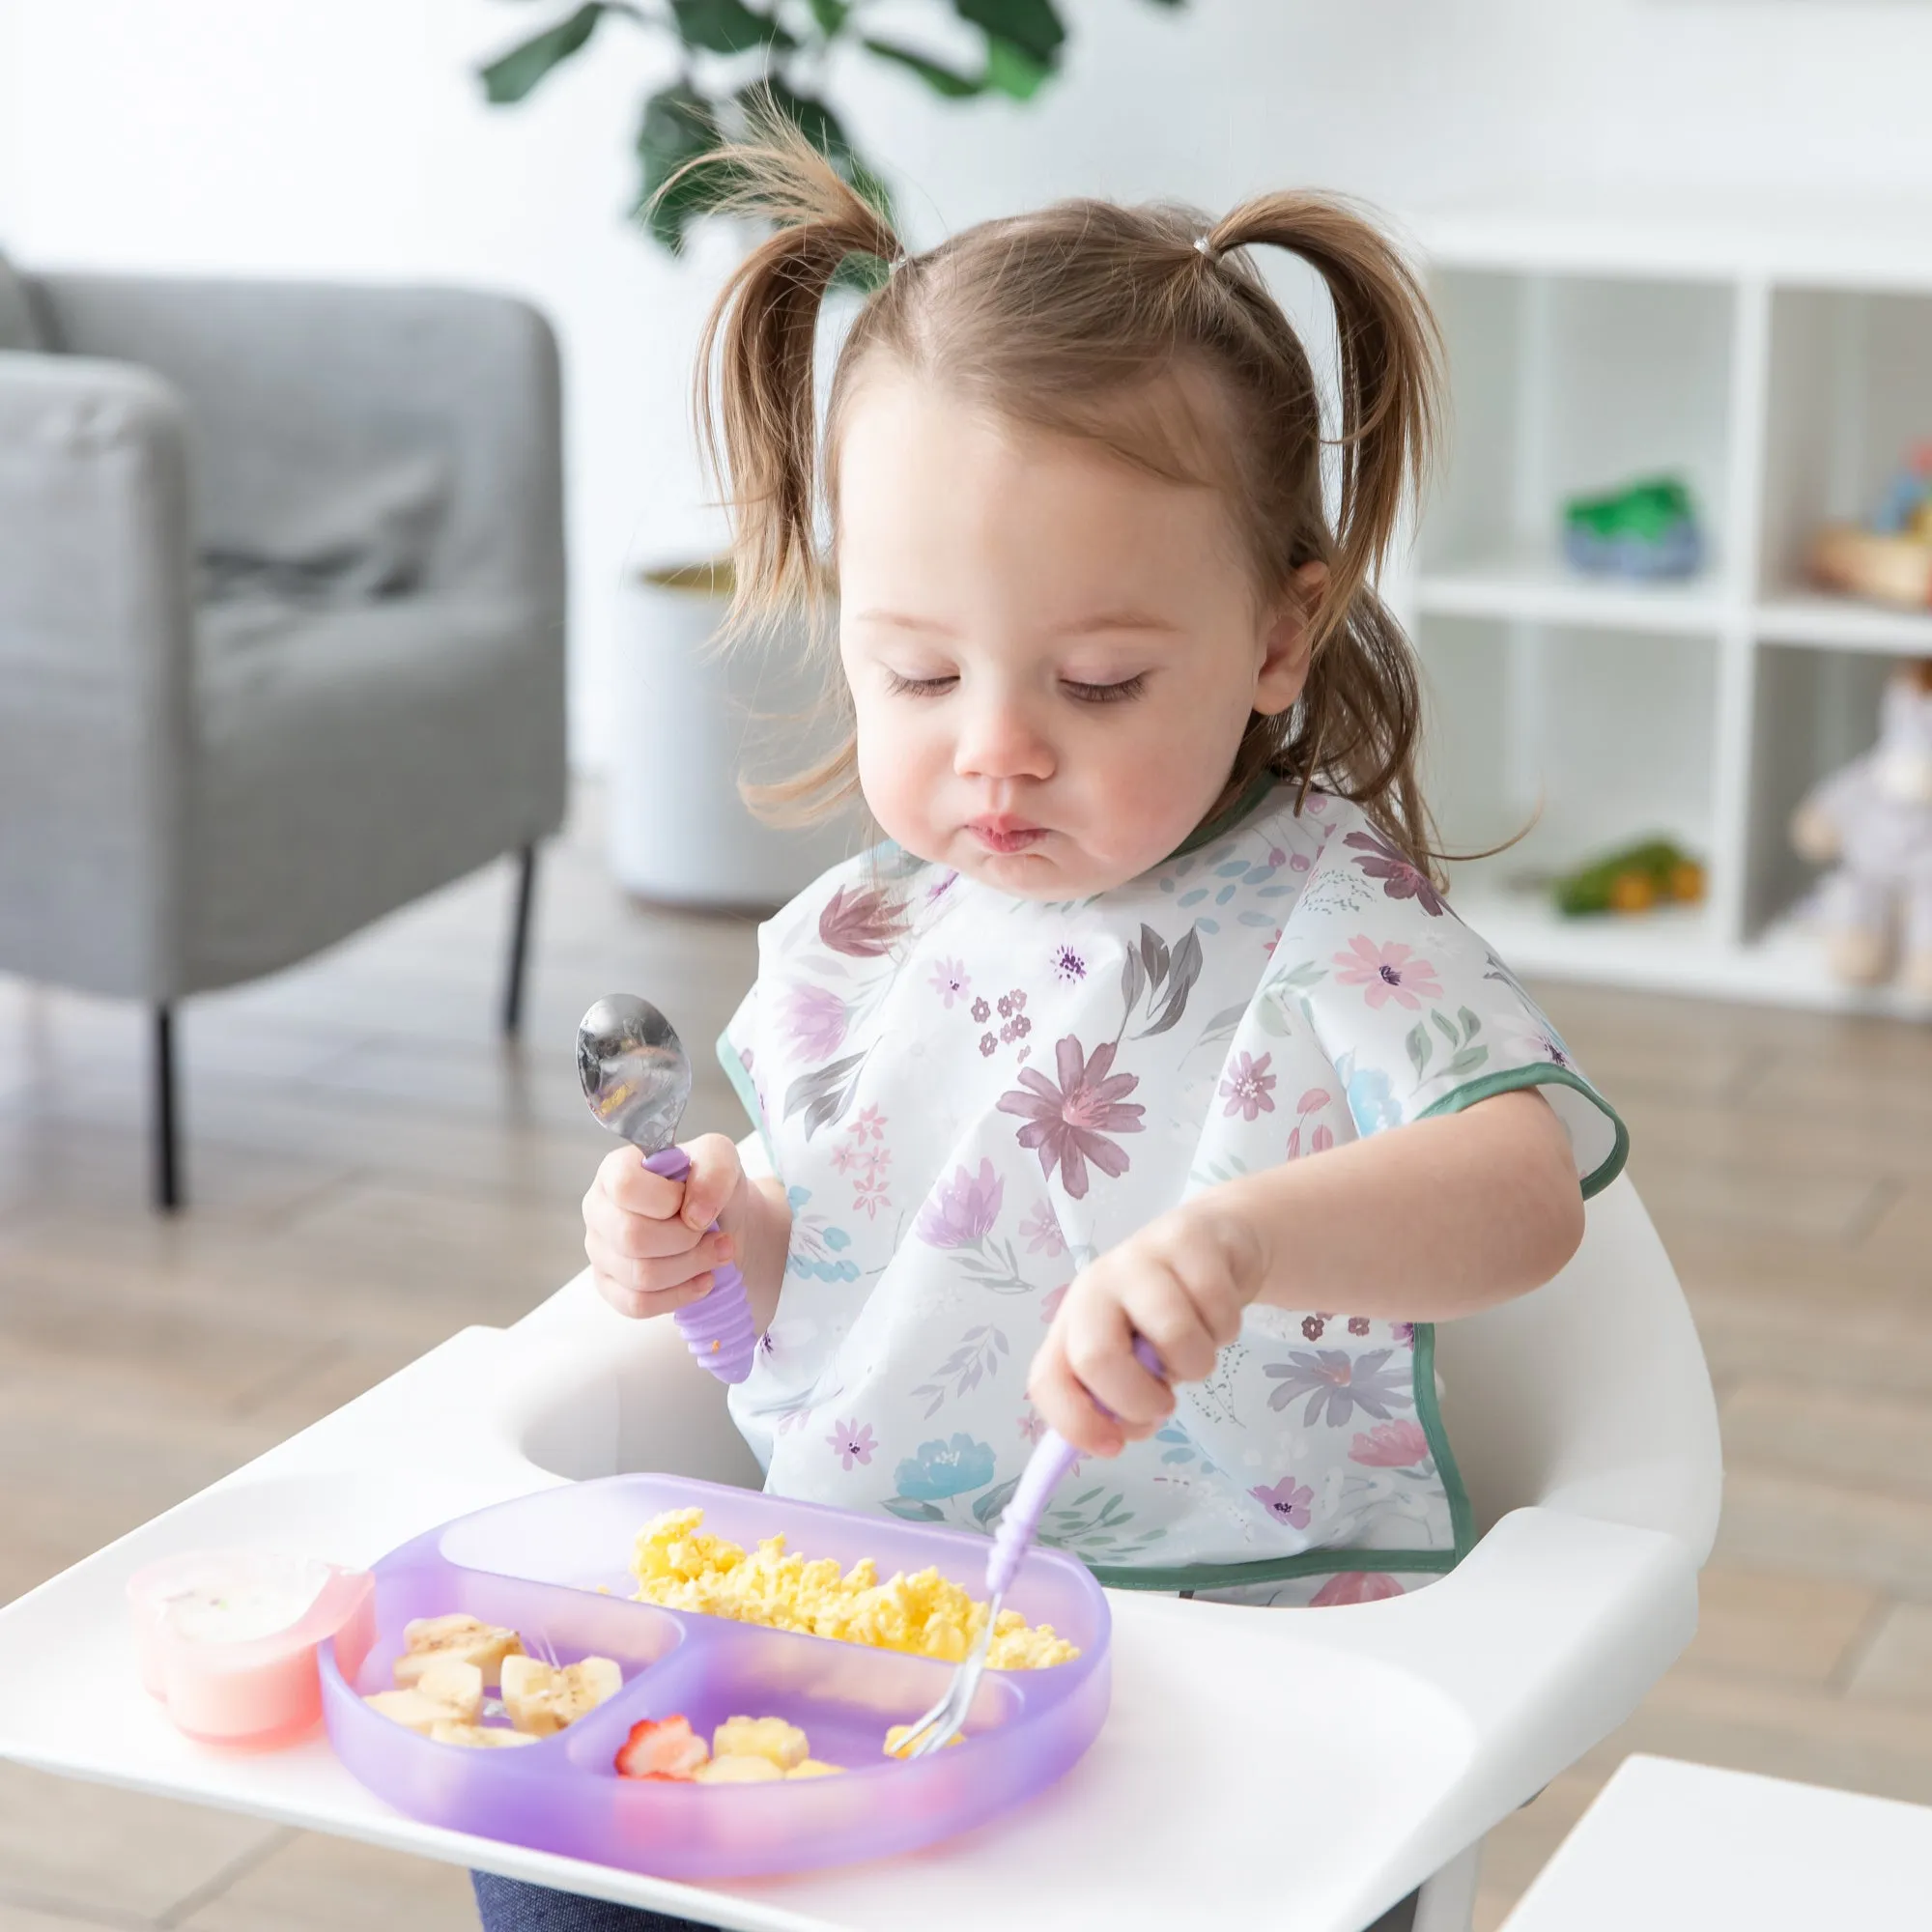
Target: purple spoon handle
(1046, 1470)
(717, 1327)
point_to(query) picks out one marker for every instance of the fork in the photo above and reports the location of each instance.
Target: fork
(1046, 1468)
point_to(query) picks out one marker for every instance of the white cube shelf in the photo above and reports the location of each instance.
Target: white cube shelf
(1780, 359)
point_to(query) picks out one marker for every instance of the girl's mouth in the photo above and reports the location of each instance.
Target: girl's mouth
(1004, 835)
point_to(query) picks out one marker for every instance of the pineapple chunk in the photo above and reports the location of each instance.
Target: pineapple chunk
(811, 1767)
(736, 1770)
(761, 1736)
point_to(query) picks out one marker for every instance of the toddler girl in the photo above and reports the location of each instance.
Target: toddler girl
(1156, 924)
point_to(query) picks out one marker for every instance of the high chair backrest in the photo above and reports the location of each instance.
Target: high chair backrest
(1590, 1395)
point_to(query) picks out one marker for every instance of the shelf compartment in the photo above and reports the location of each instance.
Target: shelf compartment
(1827, 623)
(1541, 588)
(1577, 739)
(1850, 387)
(1812, 711)
(1569, 384)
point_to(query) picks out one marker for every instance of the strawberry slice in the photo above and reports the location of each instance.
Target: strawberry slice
(663, 1748)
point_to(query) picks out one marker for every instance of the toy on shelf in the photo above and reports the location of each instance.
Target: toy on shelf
(1647, 529)
(1874, 819)
(1634, 879)
(1889, 559)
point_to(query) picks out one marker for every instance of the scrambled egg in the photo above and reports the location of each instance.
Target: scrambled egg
(684, 1567)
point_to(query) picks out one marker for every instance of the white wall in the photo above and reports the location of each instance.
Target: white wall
(345, 139)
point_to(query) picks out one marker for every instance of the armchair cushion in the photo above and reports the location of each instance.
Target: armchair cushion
(368, 535)
(18, 330)
(355, 757)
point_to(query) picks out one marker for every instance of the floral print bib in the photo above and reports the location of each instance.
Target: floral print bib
(970, 1096)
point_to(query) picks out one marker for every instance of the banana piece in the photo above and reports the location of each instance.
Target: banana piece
(449, 1693)
(899, 1733)
(811, 1767)
(477, 1736)
(463, 1639)
(541, 1700)
(736, 1770)
(761, 1737)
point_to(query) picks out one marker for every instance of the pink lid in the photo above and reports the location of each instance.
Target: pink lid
(227, 1638)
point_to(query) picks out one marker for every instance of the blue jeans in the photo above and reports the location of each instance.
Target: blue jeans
(508, 1905)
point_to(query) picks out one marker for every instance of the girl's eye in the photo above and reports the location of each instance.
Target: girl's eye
(918, 686)
(1107, 693)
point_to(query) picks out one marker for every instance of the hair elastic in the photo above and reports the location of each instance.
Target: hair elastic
(1203, 247)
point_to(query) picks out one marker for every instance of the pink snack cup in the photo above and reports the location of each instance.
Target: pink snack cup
(227, 1639)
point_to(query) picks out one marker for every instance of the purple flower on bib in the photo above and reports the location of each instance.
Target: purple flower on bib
(1069, 1124)
(861, 924)
(1249, 1087)
(1286, 1502)
(1399, 877)
(815, 1018)
(851, 1443)
(1339, 1383)
(960, 1212)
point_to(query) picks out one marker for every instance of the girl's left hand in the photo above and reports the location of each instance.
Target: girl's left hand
(1183, 1282)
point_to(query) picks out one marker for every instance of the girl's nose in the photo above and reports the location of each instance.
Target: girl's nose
(998, 740)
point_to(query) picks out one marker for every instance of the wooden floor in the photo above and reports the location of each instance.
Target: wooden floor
(371, 1170)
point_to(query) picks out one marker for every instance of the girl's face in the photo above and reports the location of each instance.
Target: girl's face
(1053, 655)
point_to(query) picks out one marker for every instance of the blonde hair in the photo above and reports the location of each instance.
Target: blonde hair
(1100, 321)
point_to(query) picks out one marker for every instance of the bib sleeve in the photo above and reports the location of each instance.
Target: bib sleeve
(739, 1051)
(1417, 1013)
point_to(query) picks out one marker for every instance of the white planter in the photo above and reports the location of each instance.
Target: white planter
(690, 720)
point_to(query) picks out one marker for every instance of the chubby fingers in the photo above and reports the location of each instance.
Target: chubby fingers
(716, 1172)
(1064, 1404)
(632, 1188)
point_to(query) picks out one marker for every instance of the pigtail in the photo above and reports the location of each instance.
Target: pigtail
(1357, 724)
(758, 426)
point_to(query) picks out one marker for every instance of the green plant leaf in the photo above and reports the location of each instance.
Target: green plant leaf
(831, 15)
(1033, 26)
(678, 128)
(941, 80)
(1420, 1046)
(1014, 71)
(512, 75)
(728, 27)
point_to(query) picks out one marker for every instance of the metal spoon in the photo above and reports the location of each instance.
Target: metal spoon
(637, 1077)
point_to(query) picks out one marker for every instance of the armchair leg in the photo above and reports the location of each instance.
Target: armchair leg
(1447, 1902)
(520, 936)
(165, 1146)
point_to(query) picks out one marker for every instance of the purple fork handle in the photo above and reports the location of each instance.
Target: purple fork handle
(717, 1327)
(1046, 1470)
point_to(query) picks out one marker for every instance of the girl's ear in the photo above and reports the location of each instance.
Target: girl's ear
(1284, 645)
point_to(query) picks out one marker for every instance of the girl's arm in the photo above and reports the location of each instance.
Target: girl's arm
(1422, 1223)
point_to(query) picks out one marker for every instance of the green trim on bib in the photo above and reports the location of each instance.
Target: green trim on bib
(748, 1094)
(1330, 1561)
(1222, 823)
(1544, 1073)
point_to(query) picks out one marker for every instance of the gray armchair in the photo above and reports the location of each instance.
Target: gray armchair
(281, 625)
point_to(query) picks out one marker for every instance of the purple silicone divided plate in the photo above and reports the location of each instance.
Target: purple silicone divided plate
(538, 1566)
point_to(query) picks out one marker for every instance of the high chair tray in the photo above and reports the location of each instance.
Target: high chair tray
(1299, 1771)
(553, 1567)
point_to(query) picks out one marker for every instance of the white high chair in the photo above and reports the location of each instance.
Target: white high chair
(1302, 1771)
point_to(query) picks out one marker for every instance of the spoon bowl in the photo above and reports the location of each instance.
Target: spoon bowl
(634, 1072)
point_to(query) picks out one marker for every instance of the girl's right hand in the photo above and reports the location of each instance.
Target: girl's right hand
(648, 1238)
